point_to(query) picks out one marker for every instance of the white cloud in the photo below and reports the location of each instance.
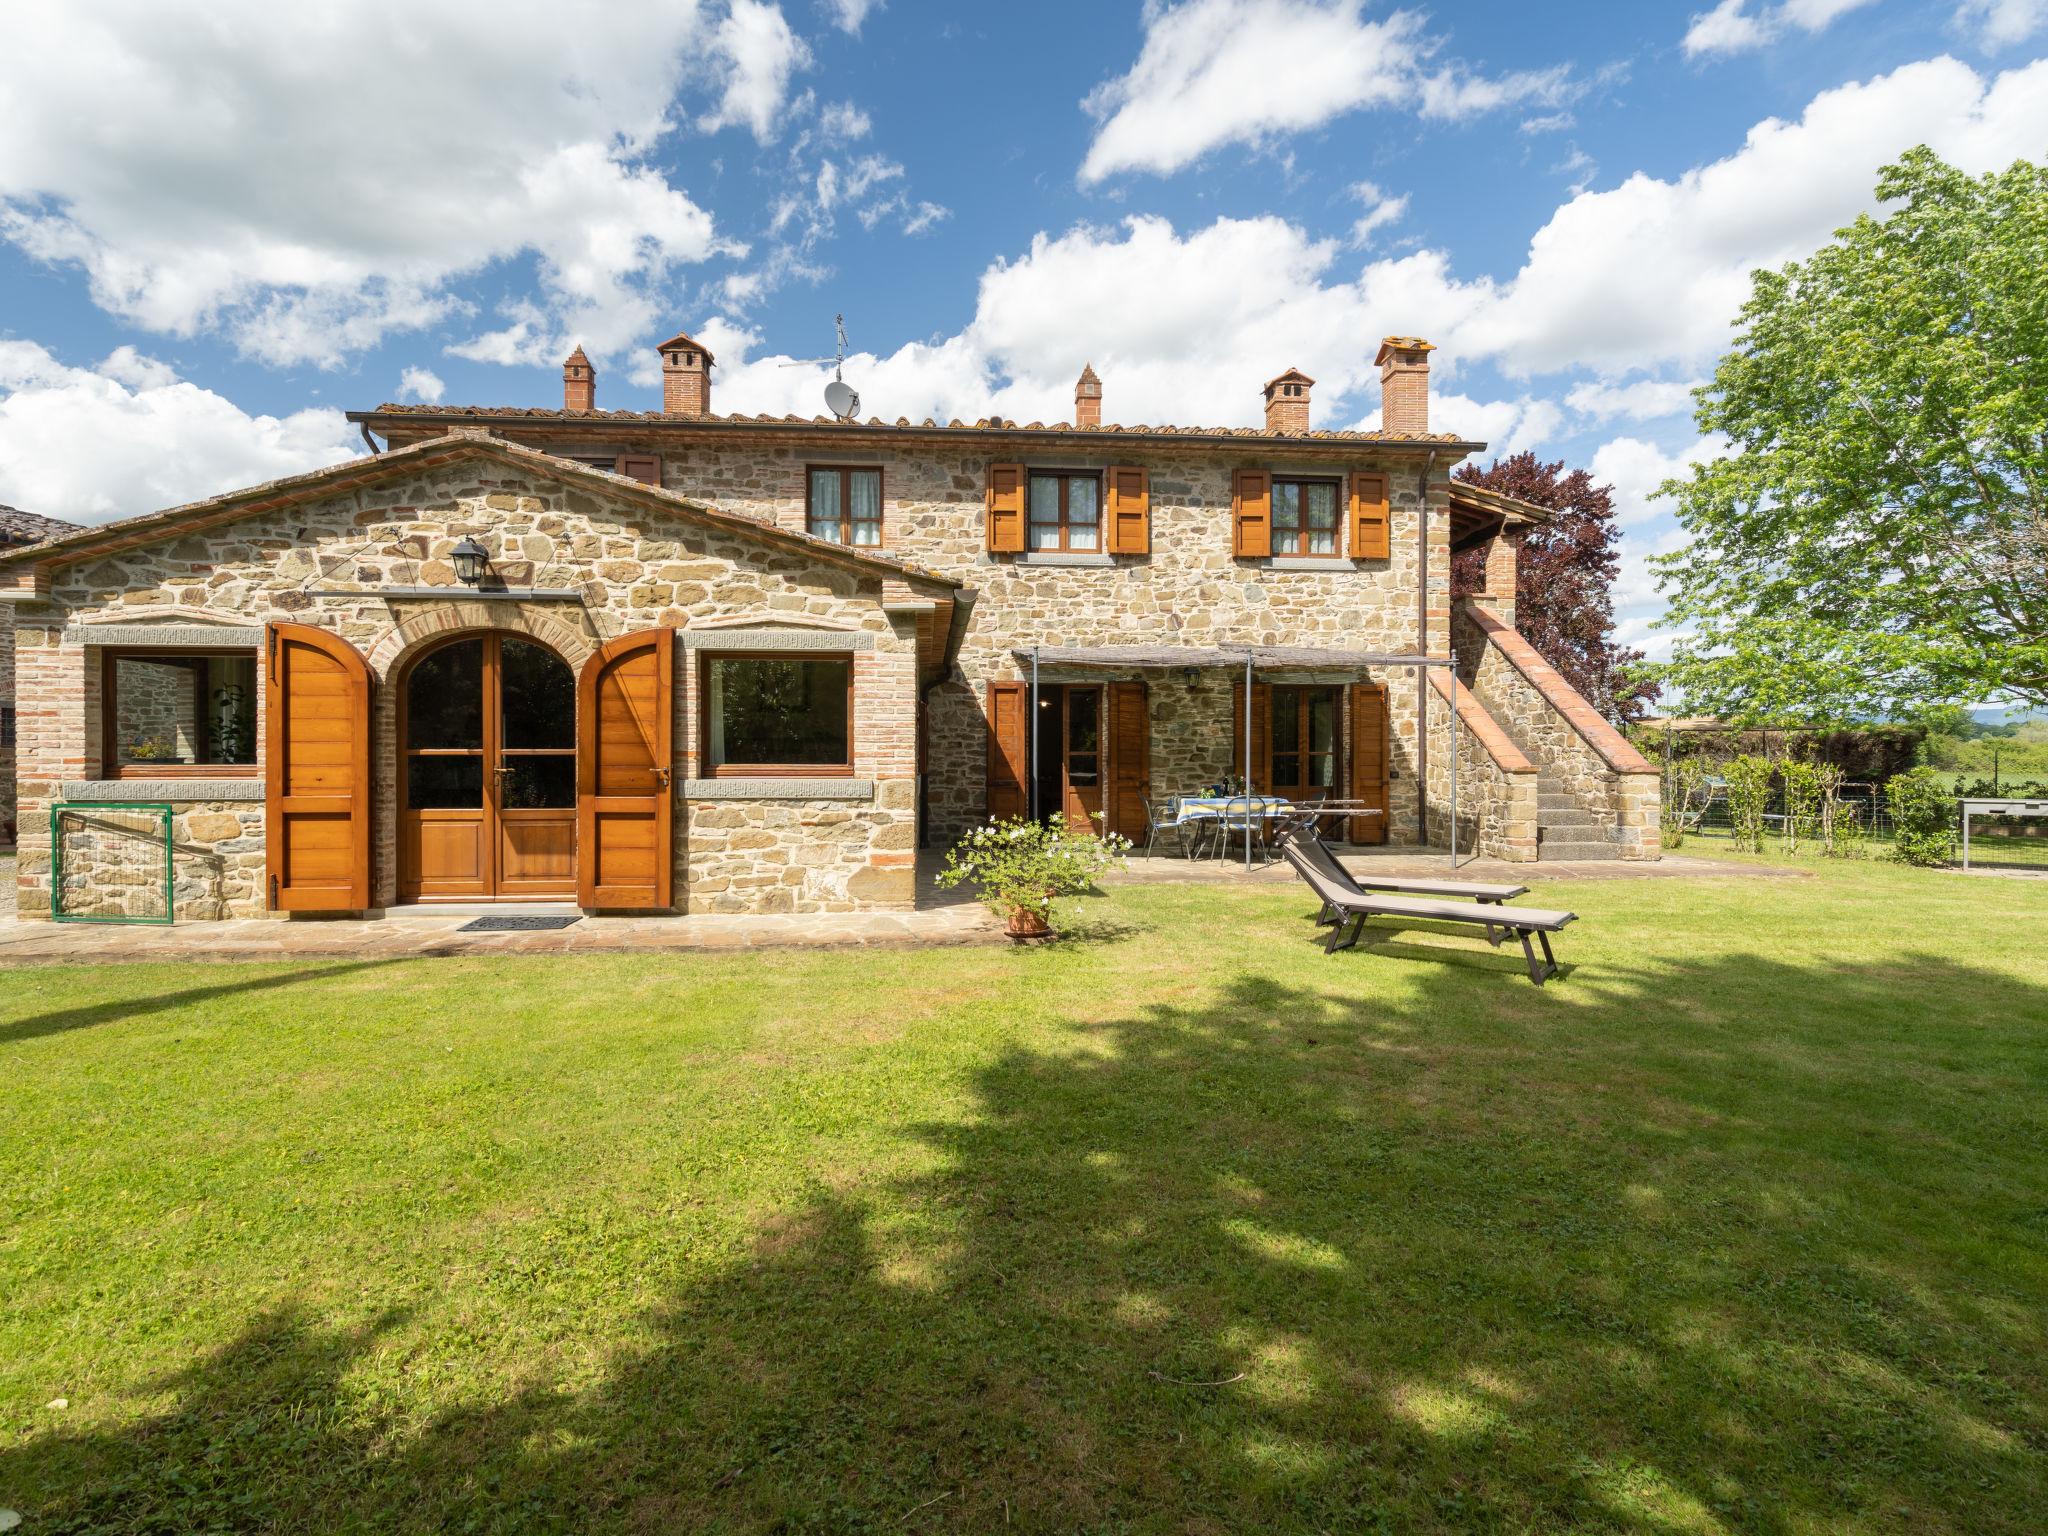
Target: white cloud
(1380, 209)
(1643, 400)
(1730, 27)
(130, 436)
(760, 54)
(847, 15)
(308, 180)
(1636, 468)
(1505, 426)
(1216, 72)
(842, 121)
(2002, 23)
(420, 384)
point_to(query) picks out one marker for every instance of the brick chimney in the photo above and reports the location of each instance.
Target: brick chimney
(1287, 401)
(1404, 384)
(579, 383)
(1088, 398)
(685, 377)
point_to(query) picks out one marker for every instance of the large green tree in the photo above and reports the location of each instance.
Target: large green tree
(1876, 539)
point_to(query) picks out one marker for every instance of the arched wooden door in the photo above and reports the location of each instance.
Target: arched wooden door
(622, 773)
(487, 772)
(316, 771)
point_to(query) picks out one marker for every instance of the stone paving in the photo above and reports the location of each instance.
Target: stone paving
(941, 917)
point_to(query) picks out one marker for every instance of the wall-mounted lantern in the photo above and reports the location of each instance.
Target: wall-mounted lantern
(470, 560)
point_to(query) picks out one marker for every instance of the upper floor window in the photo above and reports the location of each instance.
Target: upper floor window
(1304, 517)
(165, 714)
(845, 505)
(1065, 511)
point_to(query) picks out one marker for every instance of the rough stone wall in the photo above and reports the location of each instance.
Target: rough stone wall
(323, 563)
(1188, 590)
(1496, 783)
(113, 864)
(1625, 803)
(7, 750)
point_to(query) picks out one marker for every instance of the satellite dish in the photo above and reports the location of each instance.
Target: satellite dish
(841, 398)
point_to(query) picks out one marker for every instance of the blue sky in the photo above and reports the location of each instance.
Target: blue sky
(220, 227)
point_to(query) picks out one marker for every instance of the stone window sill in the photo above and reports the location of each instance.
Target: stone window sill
(772, 788)
(182, 790)
(1058, 557)
(1307, 563)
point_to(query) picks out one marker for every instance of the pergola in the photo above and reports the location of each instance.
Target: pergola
(1254, 659)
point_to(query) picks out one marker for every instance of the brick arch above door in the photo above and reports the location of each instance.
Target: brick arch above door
(572, 640)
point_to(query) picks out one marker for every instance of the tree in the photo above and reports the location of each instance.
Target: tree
(1564, 577)
(1876, 540)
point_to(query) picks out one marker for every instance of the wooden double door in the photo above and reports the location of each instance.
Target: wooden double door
(1092, 760)
(487, 789)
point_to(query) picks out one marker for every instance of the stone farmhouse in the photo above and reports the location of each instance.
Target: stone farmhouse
(672, 660)
(17, 528)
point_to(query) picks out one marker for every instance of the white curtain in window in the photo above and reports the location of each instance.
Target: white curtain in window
(867, 506)
(1082, 513)
(825, 504)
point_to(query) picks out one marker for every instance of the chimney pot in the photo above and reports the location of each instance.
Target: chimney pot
(1404, 385)
(685, 376)
(579, 383)
(1088, 398)
(1287, 401)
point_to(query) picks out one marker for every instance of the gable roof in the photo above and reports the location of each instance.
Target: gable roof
(26, 569)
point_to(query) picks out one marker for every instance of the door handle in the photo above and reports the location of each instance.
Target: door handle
(661, 777)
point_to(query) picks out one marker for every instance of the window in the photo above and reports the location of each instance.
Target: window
(1304, 747)
(846, 505)
(1304, 517)
(778, 714)
(165, 714)
(1066, 512)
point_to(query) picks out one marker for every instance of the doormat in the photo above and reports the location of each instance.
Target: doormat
(517, 924)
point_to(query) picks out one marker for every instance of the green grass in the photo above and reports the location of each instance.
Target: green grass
(1742, 1225)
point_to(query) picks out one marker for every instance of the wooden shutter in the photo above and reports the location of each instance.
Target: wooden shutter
(1262, 733)
(316, 771)
(644, 467)
(625, 706)
(1130, 759)
(1251, 513)
(1369, 760)
(1009, 749)
(1006, 509)
(1130, 512)
(1369, 516)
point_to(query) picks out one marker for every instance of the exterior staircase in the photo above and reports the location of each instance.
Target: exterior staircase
(1565, 829)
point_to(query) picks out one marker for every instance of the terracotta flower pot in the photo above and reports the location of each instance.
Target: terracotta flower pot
(1025, 924)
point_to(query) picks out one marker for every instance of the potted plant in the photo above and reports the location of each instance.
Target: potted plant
(1021, 867)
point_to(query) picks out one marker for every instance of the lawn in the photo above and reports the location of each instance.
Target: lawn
(1741, 1225)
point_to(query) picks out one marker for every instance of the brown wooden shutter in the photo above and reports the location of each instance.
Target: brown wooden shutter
(1009, 749)
(1130, 512)
(1130, 759)
(1006, 509)
(624, 757)
(316, 771)
(1251, 513)
(1369, 516)
(1262, 733)
(1369, 760)
(644, 467)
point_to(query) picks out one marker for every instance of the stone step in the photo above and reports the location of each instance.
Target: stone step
(1556, 802)
(1567, 816)
(1576, 851)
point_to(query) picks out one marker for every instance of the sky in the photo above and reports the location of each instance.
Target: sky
(221, 227)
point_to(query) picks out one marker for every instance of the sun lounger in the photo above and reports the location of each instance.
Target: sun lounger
(1354, 906)
(1486, 893)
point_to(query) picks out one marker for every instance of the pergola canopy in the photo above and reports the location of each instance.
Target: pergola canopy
(1271, 658)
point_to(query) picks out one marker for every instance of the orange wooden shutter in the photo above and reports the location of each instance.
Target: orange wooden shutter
(644, 467)
(1130, 512)
(1009, 749)
(316, 771)
(1251, 513)
(1369, 760)
(1130, 759)
(1006, 509)
(1369, 516)
(625, 701)
(1262, 733)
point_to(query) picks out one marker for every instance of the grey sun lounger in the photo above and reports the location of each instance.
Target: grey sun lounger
(1353, 907)
(1486, 893)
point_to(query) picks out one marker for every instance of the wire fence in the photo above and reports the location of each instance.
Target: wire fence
(1996, 842)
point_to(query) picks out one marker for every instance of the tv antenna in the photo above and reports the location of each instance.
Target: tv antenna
(841, 398)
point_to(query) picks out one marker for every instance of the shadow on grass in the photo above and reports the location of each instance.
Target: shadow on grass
(1285, 1261)
(117, 1009)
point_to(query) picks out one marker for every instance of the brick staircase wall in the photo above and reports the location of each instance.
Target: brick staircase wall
(1596, 796)
(1497, 784)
